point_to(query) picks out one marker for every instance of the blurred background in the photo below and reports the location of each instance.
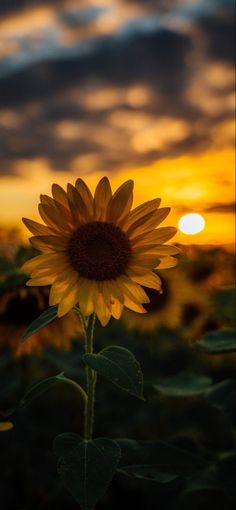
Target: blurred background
(140, 89)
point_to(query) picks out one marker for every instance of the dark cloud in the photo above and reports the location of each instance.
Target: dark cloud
(43, 93)
(219, 208)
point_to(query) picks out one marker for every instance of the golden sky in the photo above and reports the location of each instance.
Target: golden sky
(128, 89)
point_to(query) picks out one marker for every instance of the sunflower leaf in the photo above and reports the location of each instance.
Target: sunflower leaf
(45, 318)
(41, 387)
(119, 366)
(217, 342)
(158, 461)
(183, 385)
(86, 467)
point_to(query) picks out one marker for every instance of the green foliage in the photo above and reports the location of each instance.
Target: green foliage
(86, 467)
(39, 388)
(157, 461)
(119, 366)
(217, 342)
(183, 385)
(45, 318)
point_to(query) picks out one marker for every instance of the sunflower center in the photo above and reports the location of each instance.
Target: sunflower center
(99, 251)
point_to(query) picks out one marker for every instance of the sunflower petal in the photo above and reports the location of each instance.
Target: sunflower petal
(116, 308)
(160, 235)
(150, 280)
(85, 194)
(37, 228)
(102, 198)
(54, 243)
(77, 205)
(87, 288)
(145, 260)
(148, 222)
(167, 262)
(44, 260)
(53, 218)
(141, 211)
(132, 290)
(68, 299)
(158, 249)
(121, 202)
(37, 282)
(59, 194)
(101, 308)
(135, 307)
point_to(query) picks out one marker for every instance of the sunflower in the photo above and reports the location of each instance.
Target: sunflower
(96, 252)
(165, 307)
(18, 306)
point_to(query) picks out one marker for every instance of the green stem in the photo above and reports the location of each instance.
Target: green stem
(91, 377)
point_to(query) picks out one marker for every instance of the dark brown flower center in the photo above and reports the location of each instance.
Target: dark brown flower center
(99, 251)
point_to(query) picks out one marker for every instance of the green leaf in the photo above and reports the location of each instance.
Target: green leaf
(158, 458)
(39, 388)
(217, 342)
(119, 366)
(45, 318)
(223, 396)
(87, 467)
(183, 385)
(148, 472)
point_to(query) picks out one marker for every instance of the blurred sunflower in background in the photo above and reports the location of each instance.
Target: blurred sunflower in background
(166, 306)
(20, 305)
(96, 251)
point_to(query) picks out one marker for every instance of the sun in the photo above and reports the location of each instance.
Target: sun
(191, 223)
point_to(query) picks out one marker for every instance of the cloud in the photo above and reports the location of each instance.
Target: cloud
(222, 208)
(121, 84)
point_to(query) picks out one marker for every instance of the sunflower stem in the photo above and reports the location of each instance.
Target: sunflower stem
(91, 377)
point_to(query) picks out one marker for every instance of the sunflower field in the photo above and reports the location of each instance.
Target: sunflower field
(118, 385)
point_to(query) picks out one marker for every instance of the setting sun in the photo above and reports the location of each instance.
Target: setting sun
(191, 223)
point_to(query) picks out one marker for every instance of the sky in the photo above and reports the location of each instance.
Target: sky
(140, 89)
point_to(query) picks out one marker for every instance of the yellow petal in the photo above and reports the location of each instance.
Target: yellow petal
(54, 243)
(53, 219)
(116, 308)
(37, 282)
(87, 289)
(5, 426)
(69, 299)
(101, 309)
(59, 194)
(102, 197)
(148, 222)
(145, 260)
(135, 307)
(85, 193)
(132, 290)
(167, 262)
(159, 235)
(44, 260)
(78, 207)
(141, 211)
(159, 249)
(56, 292)
(36, 228)
(121, 202)
(150, 280)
